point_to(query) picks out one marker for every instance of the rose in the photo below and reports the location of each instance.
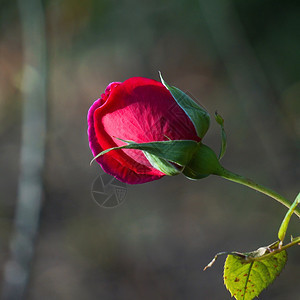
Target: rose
(140, 110)
(141, 130)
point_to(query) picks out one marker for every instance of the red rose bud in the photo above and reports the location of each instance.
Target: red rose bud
(142, 114)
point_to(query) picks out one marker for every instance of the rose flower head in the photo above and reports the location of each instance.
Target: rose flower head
(141, 130)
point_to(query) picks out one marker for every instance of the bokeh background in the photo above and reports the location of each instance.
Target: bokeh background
(241, 58)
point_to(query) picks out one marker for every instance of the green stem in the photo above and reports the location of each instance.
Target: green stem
(294, 242)
(260, 188)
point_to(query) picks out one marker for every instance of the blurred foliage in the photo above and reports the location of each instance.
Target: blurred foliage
(271, 27)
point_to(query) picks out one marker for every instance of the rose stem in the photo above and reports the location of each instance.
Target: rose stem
(255, 186)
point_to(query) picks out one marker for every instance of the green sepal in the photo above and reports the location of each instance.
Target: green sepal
(203, 164)
(198, 115)
(163, 165)
(160, 154)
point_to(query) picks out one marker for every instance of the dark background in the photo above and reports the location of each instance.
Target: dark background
(241, 58)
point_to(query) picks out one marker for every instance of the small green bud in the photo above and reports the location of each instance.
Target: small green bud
(286, 220)
(220, 121)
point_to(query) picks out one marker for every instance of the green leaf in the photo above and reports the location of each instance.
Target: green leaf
(245, 278)
(178, 151)
(199, 116)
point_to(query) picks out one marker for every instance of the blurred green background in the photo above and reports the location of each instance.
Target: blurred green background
(241, 58)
